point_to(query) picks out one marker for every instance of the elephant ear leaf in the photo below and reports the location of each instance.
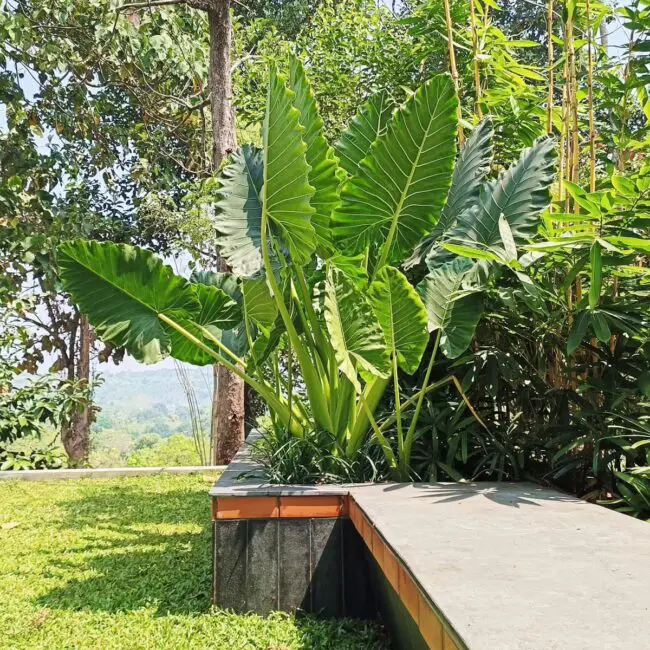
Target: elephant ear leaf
(401, 186)
(323, 175)
(355, 333)
(364, 129)
(238, 212)
(472, 165)
(451, 310)
(401, 315)
(286, 193)
(123, 290)
(519, 194)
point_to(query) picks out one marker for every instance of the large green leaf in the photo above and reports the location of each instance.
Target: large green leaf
(401, 315)
(122, 289)
(519, 194)
(320, 157)
(286, 193)
(472, 165)
(451, 308)
(471, 168)
(355, 334)
(231, 332)
(400, 188)
(238, 213)
(260, 307)
(369, 123)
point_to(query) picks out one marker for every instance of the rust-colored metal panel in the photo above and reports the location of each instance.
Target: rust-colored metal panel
(247, 508)
(430, 625)
(311, 507)
(409, 593)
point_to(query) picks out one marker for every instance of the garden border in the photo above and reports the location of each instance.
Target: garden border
(104, 472)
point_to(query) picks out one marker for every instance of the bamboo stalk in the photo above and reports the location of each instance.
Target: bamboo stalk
(590, 100)
(453, 69)
(551, 77)
(477, 74)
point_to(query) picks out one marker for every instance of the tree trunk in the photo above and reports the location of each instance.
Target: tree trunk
(228, 392)
(76, 434)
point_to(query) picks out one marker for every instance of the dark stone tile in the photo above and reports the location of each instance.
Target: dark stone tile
(263, 554)
(295, 570)
(358, 594)
(327, 567)
(230, 539)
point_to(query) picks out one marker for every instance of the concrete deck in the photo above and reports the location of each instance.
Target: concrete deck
(519, 567)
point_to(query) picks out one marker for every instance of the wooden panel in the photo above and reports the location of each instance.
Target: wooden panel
(247, 508)
(409, 593)
(430, 625)
(311, 507)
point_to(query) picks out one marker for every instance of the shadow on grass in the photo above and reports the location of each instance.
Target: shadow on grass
(134, 551)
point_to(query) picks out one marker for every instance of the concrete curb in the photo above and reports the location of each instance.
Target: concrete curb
(108, 472)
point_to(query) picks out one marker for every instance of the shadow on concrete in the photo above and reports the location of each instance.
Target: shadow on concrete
(513, 495)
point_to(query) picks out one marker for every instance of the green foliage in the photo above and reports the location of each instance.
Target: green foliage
(140, 579)
(176, 451)
(348, 322)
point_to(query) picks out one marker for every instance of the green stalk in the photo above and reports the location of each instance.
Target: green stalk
(383, 442)
(263, 389)
(372, 393)
(390, 420)
(209, 335)
(405, 457)
(309, 373)
(398, 411)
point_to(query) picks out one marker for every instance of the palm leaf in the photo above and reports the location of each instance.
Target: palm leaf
(369, 123)
(401, 315)
(238, 213)
(400, 188)
(320, 157)
(355, 334)
(286, 192)
(450, 309)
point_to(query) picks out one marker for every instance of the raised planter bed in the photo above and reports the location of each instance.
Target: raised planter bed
(483, 566)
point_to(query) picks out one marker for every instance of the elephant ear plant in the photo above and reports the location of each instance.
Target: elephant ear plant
(315, 237)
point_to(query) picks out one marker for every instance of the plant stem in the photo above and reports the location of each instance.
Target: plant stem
(405, 457)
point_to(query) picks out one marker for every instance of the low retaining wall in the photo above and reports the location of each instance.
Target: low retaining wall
(312, 549)
(446, 566)
(108, 472)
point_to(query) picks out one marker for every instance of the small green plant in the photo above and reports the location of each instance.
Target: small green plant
(314, 237)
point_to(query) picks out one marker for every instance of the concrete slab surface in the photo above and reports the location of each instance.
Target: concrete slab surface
(520, 567)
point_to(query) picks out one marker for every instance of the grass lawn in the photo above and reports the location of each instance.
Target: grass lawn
(126, 563)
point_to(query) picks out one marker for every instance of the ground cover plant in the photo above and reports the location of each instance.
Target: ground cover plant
(126, 564)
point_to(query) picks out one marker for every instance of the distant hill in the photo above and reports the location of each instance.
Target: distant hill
(143, 390)
(153, 401)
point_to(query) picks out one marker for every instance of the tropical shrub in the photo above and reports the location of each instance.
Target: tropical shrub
(314, 236)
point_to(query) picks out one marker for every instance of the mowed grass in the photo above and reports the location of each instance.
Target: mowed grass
(126, 563)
